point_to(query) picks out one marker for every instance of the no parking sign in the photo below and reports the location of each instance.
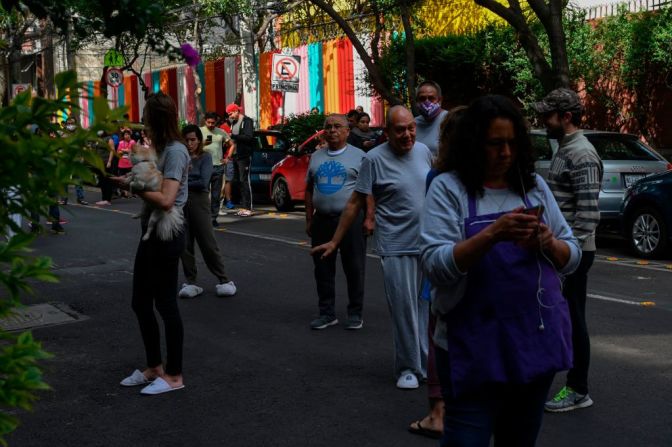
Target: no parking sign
(285, 73)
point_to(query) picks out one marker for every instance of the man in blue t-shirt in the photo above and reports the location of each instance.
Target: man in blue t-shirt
(330, 181)
(394, 174)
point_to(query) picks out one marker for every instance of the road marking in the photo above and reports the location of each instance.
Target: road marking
(636, 263)
(624, 262)
(622, 301)
(302, 244)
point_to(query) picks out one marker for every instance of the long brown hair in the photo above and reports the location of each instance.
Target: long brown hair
(466, 151)
(446, 132)
(160, 117)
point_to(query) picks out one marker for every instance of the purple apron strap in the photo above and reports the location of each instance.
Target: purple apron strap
(472, 205)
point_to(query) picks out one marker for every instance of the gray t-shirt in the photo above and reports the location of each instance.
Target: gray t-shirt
(428, 132)
(332, 178)
(398, 187)
(174, 164)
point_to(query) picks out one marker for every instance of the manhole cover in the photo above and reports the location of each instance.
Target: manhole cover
(39, 315)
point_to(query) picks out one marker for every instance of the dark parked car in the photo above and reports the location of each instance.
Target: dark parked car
(646, 215)
(270, 147)
(625, 158)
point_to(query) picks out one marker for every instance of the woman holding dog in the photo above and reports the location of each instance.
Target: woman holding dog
(197, 217)
(493, 242)
(155, 272)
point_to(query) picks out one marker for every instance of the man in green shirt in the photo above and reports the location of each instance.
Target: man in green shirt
(217, 142)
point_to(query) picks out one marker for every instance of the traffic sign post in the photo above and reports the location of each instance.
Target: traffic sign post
(285, 76)
(19, 88)
(285, 73)
(113, 58)
(114, 77)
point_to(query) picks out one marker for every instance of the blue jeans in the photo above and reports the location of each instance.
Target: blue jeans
(512, 413)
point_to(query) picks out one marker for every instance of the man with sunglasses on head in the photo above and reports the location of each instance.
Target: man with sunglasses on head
(330, 181)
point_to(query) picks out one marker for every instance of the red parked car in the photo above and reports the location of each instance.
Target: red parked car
(288, 176)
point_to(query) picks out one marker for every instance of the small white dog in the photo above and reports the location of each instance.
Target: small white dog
(145, 176)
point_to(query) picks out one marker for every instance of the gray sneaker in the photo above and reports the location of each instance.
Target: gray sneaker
(567, 400)
(354, 322)
(323, 322)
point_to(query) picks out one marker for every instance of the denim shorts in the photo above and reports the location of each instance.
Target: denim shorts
(230, 171)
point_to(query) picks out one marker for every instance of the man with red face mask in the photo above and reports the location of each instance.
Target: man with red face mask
(428, 102)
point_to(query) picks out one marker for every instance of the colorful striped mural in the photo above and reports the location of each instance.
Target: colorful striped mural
(331, 78)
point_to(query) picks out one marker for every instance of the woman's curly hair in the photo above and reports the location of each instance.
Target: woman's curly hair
(465, 146)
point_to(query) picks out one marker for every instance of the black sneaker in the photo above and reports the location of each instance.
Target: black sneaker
(82, 202)
(354, 322)
(323, 322)
(57, 229)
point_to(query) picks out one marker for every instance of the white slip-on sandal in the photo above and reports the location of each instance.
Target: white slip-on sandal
(135, 379)
(159, 386)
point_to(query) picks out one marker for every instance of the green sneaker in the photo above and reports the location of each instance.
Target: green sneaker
(567, 400)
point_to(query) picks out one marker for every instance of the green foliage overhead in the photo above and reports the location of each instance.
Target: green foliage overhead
(630, 50)
(298, 128)
(37, 164)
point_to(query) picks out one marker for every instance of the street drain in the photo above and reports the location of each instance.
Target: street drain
(39, 315)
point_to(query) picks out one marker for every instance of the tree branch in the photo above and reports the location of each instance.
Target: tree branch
(374, 71)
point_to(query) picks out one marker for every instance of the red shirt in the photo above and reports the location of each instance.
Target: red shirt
(124, 151)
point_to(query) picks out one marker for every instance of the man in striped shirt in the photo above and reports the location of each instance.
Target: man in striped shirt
(575, 177)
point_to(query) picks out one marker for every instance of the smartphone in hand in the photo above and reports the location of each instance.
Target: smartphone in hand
(535, 211)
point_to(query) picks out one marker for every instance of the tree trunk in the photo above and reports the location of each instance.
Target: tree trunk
(558, 45)
(374, 72)
(197, 78)
(514, 16)
(249, 73)
(410, 54)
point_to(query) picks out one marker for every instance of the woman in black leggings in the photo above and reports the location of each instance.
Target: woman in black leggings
(156, 262)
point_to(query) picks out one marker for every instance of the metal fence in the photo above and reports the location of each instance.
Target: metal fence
(599, 11)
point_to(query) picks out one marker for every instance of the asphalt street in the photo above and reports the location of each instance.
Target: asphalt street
(256, 375)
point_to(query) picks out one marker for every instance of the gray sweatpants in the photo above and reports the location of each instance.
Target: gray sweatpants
(409, 312)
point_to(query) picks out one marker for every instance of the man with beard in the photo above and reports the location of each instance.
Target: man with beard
(216, 143)
(394, 173)
(428, 102)
(242, 133)
(574, 178)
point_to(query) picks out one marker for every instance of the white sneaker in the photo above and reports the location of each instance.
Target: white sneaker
(190, 291)
(407, 381)
(226, 289)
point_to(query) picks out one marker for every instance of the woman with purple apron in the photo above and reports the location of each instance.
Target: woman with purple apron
(494, 244)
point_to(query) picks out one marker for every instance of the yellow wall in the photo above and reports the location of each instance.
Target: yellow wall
(436, 17)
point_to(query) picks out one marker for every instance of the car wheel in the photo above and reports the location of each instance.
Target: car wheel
(648, 235)
(281, 198)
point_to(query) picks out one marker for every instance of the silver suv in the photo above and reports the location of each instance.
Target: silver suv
(625, 158)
